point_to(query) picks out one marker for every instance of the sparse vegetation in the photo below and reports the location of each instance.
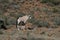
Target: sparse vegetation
(57, 21)
(1, 32)
(39, 23)
(55, 2)
(44, 9)
(45, 13)
(17, 15)
(11, 21)
(55, 10)
(36, 39)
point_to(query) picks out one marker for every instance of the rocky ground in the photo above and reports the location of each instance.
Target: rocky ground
(36, 34)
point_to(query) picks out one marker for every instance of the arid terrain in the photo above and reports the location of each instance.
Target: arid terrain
(45, 19)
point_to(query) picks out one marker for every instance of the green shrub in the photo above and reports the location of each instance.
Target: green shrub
(36, 9)
(56, 20)
(55, 2)
(4, 1)
(44, 9)
(20, 15)
(36, 38)
(1, 24)
(9, 26)
(12, 14)
(1, 12)
(17, 15)
(4, 18)
(44, 1)
(39, 23)
(55, 10)
(11, 21)
(1, 32)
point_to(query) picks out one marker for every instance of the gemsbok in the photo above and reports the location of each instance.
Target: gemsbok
(21, 21)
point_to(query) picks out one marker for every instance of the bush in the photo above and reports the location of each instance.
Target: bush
(40, 38)
(1, 12)
(36, 38)
(4, 5)
(36, 9)
(4, 1)
(55, 2)
(15, 6)
(44, 1)
(39, 23)
(2, 17)
(55, 10)
(12, 14)
(56, 20)
(11, 21)
(1, 32)
(17, 15)
(44, 9)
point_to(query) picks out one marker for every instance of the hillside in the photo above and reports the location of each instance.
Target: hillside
(45, 19)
